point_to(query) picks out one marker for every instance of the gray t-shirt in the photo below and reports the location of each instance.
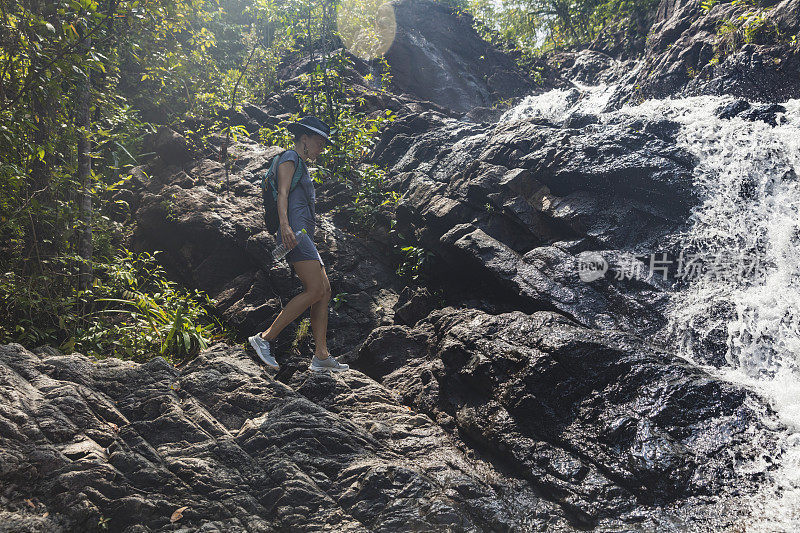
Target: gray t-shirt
(300, 209)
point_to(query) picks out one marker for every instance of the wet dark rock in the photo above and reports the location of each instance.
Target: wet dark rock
(764, 112)
(732, 109)
(548, 278)
(708, 332)
(603, 422)
(743, 109)
(587, 66)
(516, 421)
(680, 52)
(581, 120)
(87, 441)
(508, 208)
(484, 114)
(765, 73)
(260, 115)
(437, 55)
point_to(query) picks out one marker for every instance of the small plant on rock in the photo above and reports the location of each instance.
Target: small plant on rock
(301, 333)
(415, 261)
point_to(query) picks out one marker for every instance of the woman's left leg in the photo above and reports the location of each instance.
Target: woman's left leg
(319, 318)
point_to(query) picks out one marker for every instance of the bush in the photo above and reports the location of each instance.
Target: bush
(370, 198)
(143, 313)
(131, 311)
(751, 26)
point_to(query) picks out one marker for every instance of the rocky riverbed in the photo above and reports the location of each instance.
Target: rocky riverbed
(511, 393)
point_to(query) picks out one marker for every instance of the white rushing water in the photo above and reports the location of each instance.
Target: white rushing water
(748, 224)
(557, 104)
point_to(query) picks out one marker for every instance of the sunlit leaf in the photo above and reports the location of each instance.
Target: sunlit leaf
(178, 514)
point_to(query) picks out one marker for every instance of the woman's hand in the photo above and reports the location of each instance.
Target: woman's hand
(287, 235)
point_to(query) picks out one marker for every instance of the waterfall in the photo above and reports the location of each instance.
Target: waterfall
(556, 105)
(745, 316)
(747, 174)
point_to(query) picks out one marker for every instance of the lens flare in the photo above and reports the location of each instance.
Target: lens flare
(367, 27)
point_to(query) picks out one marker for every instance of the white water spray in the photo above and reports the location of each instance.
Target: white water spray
(558, 104)
(749, 217)
(748, 179)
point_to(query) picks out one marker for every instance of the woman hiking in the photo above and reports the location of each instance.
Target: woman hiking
(296, 211)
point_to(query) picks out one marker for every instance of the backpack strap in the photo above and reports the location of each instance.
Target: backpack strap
(299, 170)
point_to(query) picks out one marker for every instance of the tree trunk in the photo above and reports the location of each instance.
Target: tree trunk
(40, 239)
(85, 178)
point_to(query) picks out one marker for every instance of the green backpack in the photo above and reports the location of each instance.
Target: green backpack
(269, 189)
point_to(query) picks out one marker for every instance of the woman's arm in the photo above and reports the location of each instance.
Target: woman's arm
(285, 173)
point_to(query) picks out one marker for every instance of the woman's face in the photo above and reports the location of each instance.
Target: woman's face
(315, 144)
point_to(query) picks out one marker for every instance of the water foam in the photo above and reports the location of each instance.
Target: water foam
(556, 105)
(747, 177)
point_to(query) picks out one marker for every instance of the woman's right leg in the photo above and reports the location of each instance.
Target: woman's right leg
(309, 273)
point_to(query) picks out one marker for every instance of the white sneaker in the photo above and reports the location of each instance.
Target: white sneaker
(263, 350)
(329, 363)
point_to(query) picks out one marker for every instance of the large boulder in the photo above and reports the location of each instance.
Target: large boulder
(604, 423)
(690, 51)
(437, 55)
(109, 445)
(509, 209)
(466, 422)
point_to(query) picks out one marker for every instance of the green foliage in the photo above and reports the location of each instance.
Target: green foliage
(414, 263)
(33, 308)
(280, 27)
(301, 334)
(370, 197)
(166, 60)
(168, 206)
(503, 103)
(386, 72)
(339, 299)
(130, 311)
(751, 25)
(140, 311)
(44, 57)
(537, 26)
